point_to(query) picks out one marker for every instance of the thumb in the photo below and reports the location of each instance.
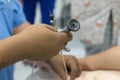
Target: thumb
(51, 28)
(58, 68)
(74, 68)
(65, 37)
(62, 74)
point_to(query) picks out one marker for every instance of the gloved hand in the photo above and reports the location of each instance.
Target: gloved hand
(37, 42)
(44, 41)
(72, 64)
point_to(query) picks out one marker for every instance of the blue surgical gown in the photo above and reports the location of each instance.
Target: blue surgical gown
(11, 16)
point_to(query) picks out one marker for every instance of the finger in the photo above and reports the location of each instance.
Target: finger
(61, 72)
(51, 28)
(65, 37)
(79, 69)
(74, 68)
(58, 68)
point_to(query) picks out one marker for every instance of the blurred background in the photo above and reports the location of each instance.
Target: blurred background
(99, 20)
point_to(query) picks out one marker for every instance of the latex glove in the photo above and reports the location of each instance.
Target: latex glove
(72, 64)
(44, 42)
(37, 42)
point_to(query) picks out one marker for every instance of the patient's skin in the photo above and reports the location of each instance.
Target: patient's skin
(99, 75)
(106, 60)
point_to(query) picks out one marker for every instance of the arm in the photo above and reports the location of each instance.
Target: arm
(106, 60)
(8, 49)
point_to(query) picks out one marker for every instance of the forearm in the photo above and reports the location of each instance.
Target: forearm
(12, 50)
(106, 60)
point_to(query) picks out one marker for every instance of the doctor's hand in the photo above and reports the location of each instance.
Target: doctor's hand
(36, 42)
(72, 64)
(43, 41)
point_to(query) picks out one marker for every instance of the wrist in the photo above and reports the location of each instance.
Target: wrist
(83, 64)
(86, 64)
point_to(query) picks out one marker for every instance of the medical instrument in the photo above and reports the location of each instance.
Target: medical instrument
(72, 25)
(34, 63)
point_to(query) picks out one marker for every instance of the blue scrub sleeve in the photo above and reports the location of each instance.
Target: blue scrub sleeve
(19, 17)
